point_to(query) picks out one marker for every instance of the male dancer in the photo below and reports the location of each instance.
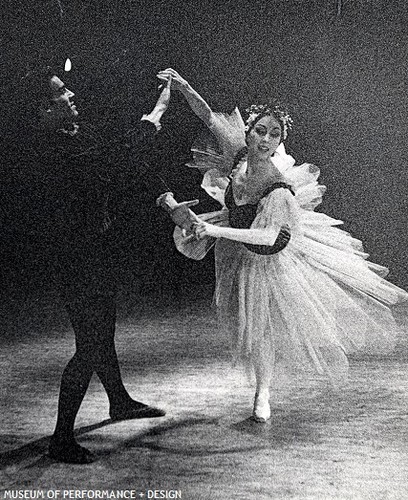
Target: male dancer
(74, 217)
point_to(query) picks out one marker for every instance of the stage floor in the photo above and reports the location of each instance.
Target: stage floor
(319, 444)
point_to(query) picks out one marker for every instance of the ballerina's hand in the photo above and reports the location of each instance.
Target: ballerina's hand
(170, 74)
(202, 229)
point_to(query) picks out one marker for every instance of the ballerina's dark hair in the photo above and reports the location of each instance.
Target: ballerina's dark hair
(273, 108)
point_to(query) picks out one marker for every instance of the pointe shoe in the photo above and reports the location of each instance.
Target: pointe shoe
(262, 409)
(133, 410)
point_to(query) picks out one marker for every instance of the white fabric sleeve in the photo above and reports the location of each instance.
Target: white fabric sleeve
(277, 209)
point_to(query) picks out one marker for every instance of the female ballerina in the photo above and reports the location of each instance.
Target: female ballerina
(291, 288)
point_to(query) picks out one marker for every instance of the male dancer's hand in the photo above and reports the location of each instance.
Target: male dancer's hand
(180, 213)
(161, 106)
(164, 98)
(183, 217)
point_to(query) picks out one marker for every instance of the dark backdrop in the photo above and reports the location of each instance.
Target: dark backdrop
(342, 71)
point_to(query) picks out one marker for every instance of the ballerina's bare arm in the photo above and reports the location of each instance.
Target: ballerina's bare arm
(265, 237)
(195, 101)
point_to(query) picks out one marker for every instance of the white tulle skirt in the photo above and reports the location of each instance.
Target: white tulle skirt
(309, 306)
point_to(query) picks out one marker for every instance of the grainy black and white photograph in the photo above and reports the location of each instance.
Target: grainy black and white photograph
(203, 243)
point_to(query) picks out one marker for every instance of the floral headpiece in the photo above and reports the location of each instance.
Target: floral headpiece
(257, 111)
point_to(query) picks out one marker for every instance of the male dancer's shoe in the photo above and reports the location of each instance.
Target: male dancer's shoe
(69, 451)
(134, 409)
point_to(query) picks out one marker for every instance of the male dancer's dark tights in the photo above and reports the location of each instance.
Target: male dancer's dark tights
(93, 320)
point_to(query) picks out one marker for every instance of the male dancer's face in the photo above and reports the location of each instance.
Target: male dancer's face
(61, 111)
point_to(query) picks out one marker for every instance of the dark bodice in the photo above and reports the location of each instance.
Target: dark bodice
(242, 217)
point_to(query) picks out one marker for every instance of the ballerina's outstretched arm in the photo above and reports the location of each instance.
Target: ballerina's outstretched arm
(196, 102)
(228, 129)
(265, 236)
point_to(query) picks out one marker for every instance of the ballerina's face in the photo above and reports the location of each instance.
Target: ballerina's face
(264, 137)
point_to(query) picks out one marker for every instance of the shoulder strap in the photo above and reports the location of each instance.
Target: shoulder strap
(277, 185)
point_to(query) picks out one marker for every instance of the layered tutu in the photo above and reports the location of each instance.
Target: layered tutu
(309, 305)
